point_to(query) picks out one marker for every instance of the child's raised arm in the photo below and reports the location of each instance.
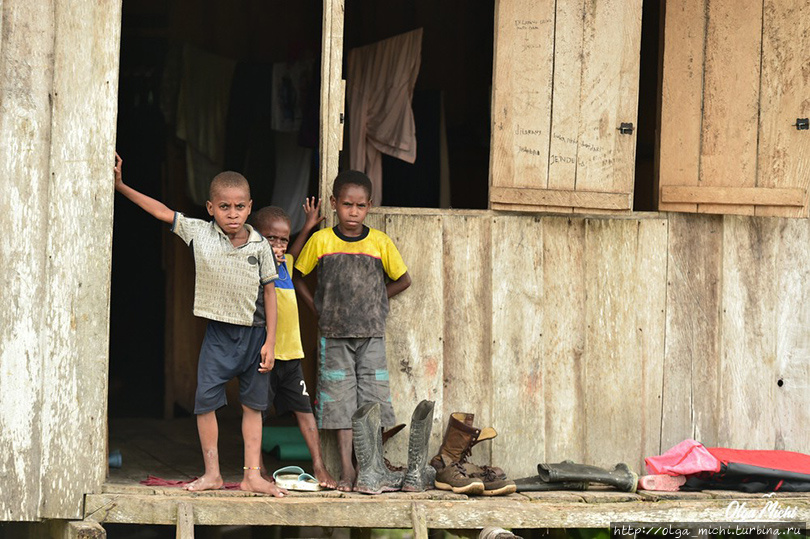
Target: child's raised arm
(153, 207)
(314, 217)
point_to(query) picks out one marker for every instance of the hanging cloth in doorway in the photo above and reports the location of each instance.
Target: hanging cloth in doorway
(202, 109)
(380, 82)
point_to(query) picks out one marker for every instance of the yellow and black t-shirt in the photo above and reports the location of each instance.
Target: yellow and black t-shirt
(351, 298)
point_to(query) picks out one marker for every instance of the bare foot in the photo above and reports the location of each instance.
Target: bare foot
(205, 483)
(324, 478)
(256, 483)
(346, 483)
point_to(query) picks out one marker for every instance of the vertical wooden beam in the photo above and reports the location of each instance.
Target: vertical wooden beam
(332, 96)
(26, 80)
(185, 521)
(420, 530)
(74, 380)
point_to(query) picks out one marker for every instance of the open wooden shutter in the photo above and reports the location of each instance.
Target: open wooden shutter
(734, 85)
(565, 81)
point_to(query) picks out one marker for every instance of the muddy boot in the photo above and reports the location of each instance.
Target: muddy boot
(452, 476)
(620, 477)
(459, 439)
(373, 477)
(495, 482)
(419, 476)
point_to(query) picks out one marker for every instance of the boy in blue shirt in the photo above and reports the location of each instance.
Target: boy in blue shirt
(351, 302)
(234, 264)
(288, 390)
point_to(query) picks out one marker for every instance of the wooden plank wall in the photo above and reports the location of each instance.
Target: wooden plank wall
(602, 340)
(58, 103)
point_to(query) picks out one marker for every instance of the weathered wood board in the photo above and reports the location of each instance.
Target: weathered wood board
(58, 102)
(565, 79)
(734, 85)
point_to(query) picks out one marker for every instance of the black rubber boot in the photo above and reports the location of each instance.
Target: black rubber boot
(535, 484)
(373, 477)
(419, 476)
(620, 477)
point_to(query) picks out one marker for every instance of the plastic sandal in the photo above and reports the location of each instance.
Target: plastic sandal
(295, 478)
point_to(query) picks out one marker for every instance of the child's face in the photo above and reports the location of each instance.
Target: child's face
(230, 208)
(351, 205)
(277, 233)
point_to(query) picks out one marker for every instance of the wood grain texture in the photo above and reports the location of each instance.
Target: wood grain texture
(384, 511)
(414, 331)
(74, 398)
(750, 196)
(784, 152)
(682, 97)
(467, 296)
(518, 318)
(567, 91)
(26, 79)
(564, 300)
(731, 98)
(330, 140)
(563, 200)
(748, 355)
(791, 373)
(521, 100)
(610, 49)
(624, 345)
(693, 330)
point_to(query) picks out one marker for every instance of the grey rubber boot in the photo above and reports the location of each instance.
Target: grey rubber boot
(620, 476)
(373, 477)
(419, 476)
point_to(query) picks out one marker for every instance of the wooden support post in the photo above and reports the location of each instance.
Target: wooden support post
(420, 530)
(185, 521)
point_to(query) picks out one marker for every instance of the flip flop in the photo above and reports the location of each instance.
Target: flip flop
(295, 478)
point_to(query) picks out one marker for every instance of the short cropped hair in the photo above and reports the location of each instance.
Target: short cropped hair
(351, 177)
(268, 214)
(227, 179)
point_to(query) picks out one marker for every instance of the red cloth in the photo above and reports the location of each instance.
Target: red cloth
(688, 457)
(153, 481)
(788, 461)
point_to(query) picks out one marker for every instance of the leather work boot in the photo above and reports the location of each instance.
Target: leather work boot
(494, 485)
(419, 476)
(453, 477)
(459, 439)
(620, 477)
(373, 477)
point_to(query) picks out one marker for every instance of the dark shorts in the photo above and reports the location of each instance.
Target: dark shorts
(351, 373)
(230, 351)
(288, 391)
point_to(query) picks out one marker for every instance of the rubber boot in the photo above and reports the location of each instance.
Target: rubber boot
(419, 476)
(620, 477)
(373, 477)
(535, 484)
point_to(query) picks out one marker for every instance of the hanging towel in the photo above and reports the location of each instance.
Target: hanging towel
(202, 109)
(380, 82)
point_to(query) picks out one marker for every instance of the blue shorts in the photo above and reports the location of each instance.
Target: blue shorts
(230, 351)
(352, 372)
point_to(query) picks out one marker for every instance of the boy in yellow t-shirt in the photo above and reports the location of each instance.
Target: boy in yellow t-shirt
(288, 391)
